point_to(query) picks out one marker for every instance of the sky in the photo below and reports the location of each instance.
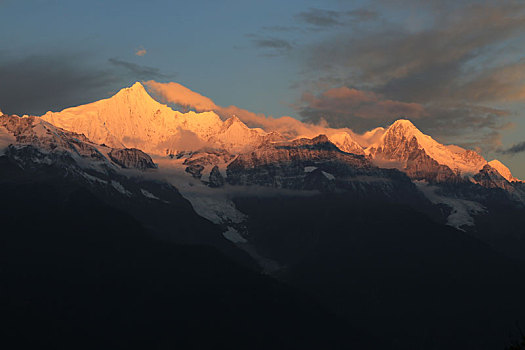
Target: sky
(456, 69)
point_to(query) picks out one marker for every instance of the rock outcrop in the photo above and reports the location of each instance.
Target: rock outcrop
(132, 158)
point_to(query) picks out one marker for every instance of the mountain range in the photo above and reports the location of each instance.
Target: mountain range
(133, 119)
(390, 230)
(221, 152)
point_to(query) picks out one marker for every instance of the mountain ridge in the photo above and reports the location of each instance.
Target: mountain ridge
(133, 119)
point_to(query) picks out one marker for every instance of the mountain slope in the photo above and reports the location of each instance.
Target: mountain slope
(45, 155)
(79, 274)
(317, 164)
(389, 267)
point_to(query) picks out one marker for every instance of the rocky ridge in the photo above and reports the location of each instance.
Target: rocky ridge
(36, 141)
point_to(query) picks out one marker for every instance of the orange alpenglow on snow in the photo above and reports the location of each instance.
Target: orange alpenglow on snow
(132, 118)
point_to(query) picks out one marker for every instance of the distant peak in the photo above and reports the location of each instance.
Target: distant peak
(403, 127)
(233, 120)
(503, 170)
(136, 89)
(135, 92)
(138, 85)
(496, 163)
(405, 123)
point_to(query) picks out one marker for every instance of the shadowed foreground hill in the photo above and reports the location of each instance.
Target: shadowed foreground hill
(391, 269)
(77, 273)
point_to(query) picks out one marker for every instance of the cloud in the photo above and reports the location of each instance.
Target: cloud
(517, 148)
(287, 126)
(320, 18)
(178, 94)
(362, 14)
(35, 84)
(356, 111)
(139, 72)
(505, 83)
(183, 139)
(345, 107)
(140, 52)
(401, 61)
(468, 125)
(280, 28)
(452, 65)
(270, 44)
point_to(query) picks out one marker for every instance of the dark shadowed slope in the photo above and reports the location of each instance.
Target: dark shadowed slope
(77, 273)
(389, 268)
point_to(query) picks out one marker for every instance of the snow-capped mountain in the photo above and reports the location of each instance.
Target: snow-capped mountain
(402, 138)
(217, 153)
(133, 119)
(37, 152)
(234, 136)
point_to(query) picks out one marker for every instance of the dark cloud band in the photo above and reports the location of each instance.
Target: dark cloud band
(515, 149)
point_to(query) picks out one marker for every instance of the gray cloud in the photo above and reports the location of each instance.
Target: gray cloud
(272, 43)
(35, 84)
(363, 109)
(469, 125)
(320, 17)
(139, 72)
(401, 60)
(280, 28)
(455, 59)
(517, 148)
(362, 14)
(38, 83)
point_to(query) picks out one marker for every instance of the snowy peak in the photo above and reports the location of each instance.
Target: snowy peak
(346, 143)
(135, 94)
(234, 136)
(118, 121)
(136, 89)
(234, 121)
(404, 130)
(137, 86)
(403, 138)
(491, 178)
(133, 119)
(404, 126)
(503, 170)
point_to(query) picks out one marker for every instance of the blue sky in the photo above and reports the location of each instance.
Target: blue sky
(456, 69)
